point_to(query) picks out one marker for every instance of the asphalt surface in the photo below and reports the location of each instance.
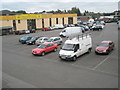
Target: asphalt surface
(21, 69)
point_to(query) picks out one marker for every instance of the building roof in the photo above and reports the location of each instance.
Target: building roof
(35, 16)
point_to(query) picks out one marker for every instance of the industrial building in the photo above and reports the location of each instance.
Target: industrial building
(36, 21)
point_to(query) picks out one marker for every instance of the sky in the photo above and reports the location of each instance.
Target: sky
(31, 6)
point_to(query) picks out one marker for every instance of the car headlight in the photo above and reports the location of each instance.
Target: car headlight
(38, 51)
(104, 50)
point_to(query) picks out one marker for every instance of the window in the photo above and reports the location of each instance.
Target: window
(56, 20)
(63, 21)
(50, 22)
(18, 21)
(49, 45)
(76, 47)
(110, 43)
(42, 23)
(70, 20)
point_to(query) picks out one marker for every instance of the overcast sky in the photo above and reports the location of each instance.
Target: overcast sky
(31, 6)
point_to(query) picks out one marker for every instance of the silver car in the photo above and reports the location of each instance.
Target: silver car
(57, 40)
(41, 40)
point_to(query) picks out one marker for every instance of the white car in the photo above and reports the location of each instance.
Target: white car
(57, 40)
(27, 31)
(41, 40)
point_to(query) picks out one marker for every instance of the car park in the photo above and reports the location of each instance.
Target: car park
(41, 40)
(75, 47)
(105, 47)
(24, 39)
(44, 48)
(57, 40)
(32, 40)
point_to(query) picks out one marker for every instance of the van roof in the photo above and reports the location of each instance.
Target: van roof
(75, 40)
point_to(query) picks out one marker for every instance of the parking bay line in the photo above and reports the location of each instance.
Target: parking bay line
(87, 68)
(100, 63)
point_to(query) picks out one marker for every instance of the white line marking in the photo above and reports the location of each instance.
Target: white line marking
(100, 63)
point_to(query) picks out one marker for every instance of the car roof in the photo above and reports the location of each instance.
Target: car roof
(54, 37)
(46, 43)
(105, 41)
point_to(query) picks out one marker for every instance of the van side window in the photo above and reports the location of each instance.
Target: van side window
(76, 47)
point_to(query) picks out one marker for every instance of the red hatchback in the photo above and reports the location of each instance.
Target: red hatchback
(44, 48)
(46, 29)
(104, 47)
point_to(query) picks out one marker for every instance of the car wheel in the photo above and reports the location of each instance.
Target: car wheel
(55, 49)
(107, 52)
(43, 53)
(74, 58)
(33, 43)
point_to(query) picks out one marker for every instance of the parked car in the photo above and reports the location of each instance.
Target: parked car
(19, 32)
(57, 40)
(32, 40)
(32, 31)
(46, 29)
(105, 47)
(58, 26)
(97, 27)
(44, 48)
(41, 40)
(24, 39)
(27, 31)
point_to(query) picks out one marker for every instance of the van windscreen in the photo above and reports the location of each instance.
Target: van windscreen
(68, 47)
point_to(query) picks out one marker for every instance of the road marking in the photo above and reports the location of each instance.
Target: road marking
(100, 63)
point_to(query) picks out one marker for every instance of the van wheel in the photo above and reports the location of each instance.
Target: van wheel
(43, 53)
(74, 58)
(89, 50)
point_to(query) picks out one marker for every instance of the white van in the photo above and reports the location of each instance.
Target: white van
(75, 47)
(71, 31)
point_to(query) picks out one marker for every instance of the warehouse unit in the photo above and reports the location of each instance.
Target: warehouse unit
(37, 21)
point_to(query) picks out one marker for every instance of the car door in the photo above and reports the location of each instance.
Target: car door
(48, 48)
(55, 41)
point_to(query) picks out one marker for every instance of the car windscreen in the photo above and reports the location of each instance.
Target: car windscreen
(42, 46)
(24, 38)
(68, 47)
(33, 38)
(103, 45)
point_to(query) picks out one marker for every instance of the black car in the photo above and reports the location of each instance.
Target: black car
(24, 39)
(32, 40)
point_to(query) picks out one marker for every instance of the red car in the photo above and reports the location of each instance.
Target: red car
(44, 48)
(46, 29)
(104, 47)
